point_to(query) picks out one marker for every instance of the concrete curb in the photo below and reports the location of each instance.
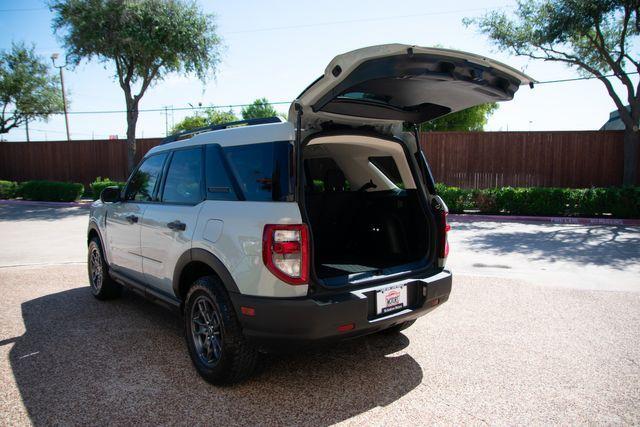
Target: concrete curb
(81, 204)
(550, 219)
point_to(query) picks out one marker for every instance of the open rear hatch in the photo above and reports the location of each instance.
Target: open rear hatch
(360, 190)
(401, 83)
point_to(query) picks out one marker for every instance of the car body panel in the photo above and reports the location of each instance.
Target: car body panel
(401, 83)
(123, 237)
(239, 242)
(161, 246)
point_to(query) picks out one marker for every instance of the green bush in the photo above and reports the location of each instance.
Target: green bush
(8, 189)
(51, 191)
(100, 184)
(619, 202)
(457, 199)
(485, 200)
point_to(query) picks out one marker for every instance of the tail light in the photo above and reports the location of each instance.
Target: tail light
(443, 250)
(285, 252)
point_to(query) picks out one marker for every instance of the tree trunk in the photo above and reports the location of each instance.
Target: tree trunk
(132, 119)
(631, 142)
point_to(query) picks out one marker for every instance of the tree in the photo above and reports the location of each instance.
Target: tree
(28, 91)
(144, 39)
(597, 37)
(470, 119)
(210, 116)
(260, 108)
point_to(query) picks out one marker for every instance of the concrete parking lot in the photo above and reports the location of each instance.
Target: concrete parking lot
(541, 327)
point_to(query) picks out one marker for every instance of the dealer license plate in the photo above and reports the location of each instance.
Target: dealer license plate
(391, 299)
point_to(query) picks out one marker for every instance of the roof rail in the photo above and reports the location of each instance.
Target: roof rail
(192, 132)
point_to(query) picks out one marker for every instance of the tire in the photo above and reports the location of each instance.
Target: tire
(218, 349)
(103, 287)
(399, 327)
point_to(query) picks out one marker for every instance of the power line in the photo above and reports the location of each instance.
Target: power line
(229, 106)
(360, 20)
(162, 109)
(30, 9)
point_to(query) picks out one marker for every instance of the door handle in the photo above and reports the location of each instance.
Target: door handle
(132, 219)
(177, 225)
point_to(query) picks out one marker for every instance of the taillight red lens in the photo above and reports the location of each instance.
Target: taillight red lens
(444, 243)
(285, 252)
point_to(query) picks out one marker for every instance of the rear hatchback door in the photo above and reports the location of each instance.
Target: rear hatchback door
(402, 83)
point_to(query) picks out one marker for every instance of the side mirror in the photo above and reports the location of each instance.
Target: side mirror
(110, 195)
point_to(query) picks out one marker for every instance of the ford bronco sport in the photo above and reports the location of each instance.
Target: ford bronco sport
(269, 235)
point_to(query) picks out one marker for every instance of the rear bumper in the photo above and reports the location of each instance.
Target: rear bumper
(283, 324)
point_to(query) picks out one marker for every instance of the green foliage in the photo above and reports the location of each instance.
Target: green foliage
(260, 108)
(100, 184)
(597, 37)
(471, 119)
(8, 189)
(144, 39)
(457, 199)
(28, 91)
(619, 202)
(51, 191)
(587, 34)
(209, 116)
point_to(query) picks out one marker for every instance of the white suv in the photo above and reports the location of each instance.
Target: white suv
(269, 235)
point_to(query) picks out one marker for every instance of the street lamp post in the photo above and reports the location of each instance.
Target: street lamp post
(64, 97)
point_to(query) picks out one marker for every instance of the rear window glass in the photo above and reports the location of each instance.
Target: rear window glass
(324, 174)
(387, 165)
(262, 171)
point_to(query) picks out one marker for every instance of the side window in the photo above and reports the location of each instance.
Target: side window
(219, 185)
(184, 177)
(263, 171)
(143, 181)
(388, 167)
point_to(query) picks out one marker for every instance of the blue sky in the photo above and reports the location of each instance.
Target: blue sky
(275, 49)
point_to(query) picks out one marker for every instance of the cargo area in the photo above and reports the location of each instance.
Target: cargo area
(363, 207)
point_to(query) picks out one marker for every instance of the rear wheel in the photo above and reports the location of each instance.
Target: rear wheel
(399, 327)
(218, 350)
(103, 287)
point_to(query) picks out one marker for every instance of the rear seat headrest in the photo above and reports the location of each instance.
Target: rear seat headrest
(334, 180)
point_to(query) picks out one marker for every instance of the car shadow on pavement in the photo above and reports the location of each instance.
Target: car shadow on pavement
(25, 212)
(82, 361)
(614, 246)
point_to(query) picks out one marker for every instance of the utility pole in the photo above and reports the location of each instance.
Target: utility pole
(54, 56)
(166, 121)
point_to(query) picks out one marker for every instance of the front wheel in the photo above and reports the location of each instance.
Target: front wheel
(218, 349)
(103, 287)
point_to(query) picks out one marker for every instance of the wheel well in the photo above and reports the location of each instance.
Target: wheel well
(92, 233)
(190, 273)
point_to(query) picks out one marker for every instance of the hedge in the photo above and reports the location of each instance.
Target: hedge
(8, 189)
(100, 184)
(51, 191)
(621, 202)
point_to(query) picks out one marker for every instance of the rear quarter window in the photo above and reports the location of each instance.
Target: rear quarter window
(262, 171)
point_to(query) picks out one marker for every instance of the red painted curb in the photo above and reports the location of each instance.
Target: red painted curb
(551, 219)
(49, 204)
